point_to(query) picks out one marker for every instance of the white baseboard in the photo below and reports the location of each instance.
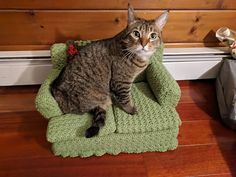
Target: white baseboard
(28, 68)
(24, 71)
(193, 70)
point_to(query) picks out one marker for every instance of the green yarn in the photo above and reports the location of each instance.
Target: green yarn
(164, 87)
(154, 128)
(70, 126)
(151, 115)
(116, 143)
(45, 103)
(58, 55)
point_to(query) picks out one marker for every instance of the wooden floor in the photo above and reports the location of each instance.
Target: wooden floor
(206, 147)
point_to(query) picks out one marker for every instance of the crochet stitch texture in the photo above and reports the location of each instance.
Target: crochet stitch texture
(155, 128)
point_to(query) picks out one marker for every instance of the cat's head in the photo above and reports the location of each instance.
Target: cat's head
(143, 37)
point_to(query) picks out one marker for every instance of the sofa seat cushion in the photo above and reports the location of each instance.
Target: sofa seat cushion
(70, 126)
(151, 115)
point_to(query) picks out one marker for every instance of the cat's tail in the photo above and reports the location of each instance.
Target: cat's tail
(98, 122)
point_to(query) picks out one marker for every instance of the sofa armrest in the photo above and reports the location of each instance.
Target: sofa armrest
(58, 55)
(163, 85)
(44, 102)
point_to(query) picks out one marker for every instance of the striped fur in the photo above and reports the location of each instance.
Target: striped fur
(103, 71)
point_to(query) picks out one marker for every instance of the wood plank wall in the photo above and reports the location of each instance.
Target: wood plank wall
(36, 24)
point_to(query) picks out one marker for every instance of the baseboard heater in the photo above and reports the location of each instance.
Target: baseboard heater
(32, 67)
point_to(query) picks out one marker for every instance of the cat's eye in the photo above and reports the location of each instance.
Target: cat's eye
(153, 36)
(136, 34)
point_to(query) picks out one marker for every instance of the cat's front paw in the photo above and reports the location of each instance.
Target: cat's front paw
(131, 110)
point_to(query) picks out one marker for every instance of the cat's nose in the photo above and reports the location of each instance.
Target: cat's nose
(143, 45)
(144, 42)
(144, 48)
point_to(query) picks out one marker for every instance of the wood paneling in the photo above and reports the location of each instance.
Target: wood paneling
(118, 4)
(47, 27)
(36, 24)
(19, 47)
(47, 46)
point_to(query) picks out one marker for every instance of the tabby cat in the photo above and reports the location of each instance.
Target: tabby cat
(103, 71)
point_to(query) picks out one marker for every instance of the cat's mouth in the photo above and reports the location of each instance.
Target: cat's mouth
(144, 51)
(144, 54)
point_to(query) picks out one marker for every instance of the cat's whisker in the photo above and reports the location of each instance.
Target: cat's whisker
(125, 56)
(127, 53)
(130, 49)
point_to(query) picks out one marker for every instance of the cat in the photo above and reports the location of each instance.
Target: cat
(103, 71)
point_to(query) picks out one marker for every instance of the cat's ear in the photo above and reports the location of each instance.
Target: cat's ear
(131, 15)
(162, 19)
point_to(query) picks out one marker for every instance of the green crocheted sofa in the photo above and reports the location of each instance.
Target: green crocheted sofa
(155, 128)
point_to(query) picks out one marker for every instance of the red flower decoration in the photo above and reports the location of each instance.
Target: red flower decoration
(72, 50)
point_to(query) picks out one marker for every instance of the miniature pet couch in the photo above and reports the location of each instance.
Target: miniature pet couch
(154, 128)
